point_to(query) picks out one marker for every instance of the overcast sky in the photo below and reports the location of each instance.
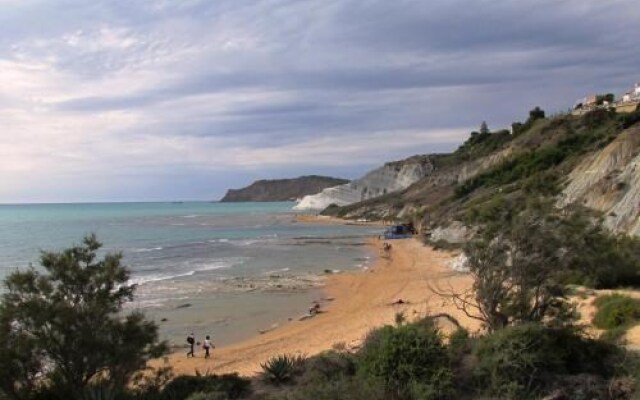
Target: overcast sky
(162, 100)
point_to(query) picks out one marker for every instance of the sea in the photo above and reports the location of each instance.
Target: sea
(230, 270)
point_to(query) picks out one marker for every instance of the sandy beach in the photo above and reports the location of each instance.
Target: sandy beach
(355, 303)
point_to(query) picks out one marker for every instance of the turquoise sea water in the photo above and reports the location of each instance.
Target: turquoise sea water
(226, 269)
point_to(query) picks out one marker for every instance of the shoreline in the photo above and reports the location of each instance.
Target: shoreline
(355, 303)
(328, 220)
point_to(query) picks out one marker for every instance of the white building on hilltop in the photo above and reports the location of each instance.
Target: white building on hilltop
(632, 95)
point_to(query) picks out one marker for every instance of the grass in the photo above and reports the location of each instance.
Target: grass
(616, 311)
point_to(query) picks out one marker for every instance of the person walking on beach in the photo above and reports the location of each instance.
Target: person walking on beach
(206, 346)
(191, 339)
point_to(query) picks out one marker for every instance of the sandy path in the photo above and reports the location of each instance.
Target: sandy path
(362, 301)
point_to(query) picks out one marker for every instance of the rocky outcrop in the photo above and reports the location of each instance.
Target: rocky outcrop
(389, 178)
(609, 181)
(433, 188)
(456, 233)
(282, 189)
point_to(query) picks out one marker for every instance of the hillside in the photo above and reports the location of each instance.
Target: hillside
(391, 177)
(282, 189)
(588, 159)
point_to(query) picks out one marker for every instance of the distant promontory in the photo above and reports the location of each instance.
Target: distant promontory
(282, 189)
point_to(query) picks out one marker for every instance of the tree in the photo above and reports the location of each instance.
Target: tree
(484, 128)
(516, 128)
(536, 113)
(64, 326)
(514, 262)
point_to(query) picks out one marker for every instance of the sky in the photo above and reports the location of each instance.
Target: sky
(156, 100)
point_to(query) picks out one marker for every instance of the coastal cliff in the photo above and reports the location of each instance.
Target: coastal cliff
(608, 181)
(282, 189)
(589, 160)
(389, 178)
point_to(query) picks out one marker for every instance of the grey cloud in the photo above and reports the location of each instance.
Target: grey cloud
(339, 67)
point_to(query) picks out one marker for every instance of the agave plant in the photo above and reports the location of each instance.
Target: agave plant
(282, 368)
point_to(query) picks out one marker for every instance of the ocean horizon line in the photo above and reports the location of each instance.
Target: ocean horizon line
(127, 202)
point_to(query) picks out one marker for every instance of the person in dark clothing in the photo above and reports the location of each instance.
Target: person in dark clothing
(191, 339)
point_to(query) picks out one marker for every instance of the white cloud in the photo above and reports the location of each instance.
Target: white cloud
(108, 89)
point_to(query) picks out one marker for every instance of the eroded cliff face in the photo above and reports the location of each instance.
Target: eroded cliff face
(592, 159)
(432, 188)
(609, 181)
(389, 178)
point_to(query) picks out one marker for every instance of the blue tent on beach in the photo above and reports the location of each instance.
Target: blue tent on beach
(398, 232)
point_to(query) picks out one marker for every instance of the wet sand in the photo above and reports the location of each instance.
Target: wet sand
(355, 303)
(325, 219)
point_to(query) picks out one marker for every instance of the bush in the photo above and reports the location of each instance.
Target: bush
(459, 343)
(230, 385)
(615, 311)
(282, 368)
(526, 360)
(58, 309)
(519, 167)
(599, 258)
(406, 360)
(208, 396)
(338, 389)
(629, 119)
(328, 366)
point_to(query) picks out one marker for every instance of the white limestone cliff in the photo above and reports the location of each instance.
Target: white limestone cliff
(391, 177)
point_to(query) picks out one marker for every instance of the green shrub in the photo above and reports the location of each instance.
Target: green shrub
(328, 366)
(282, 368)
(525, 360)
(615, 311)
(596, 257)
(519, 167)
(481, 143)
(629, 119)
(231, 385)
(101, 392)
(459, 343)
(343, 388)
(208, 396)
(597, 117)
(406, 359)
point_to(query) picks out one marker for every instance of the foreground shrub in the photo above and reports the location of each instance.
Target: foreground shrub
(598, 258)
(282, 368)
(615, 311)
(63, 325)
(525, 360)
(227, 386)
(327, 366)
(410, 361)
(352, 388)
(208, 396)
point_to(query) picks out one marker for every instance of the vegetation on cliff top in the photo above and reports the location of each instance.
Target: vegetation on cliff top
(532, 160)
(282, 189)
